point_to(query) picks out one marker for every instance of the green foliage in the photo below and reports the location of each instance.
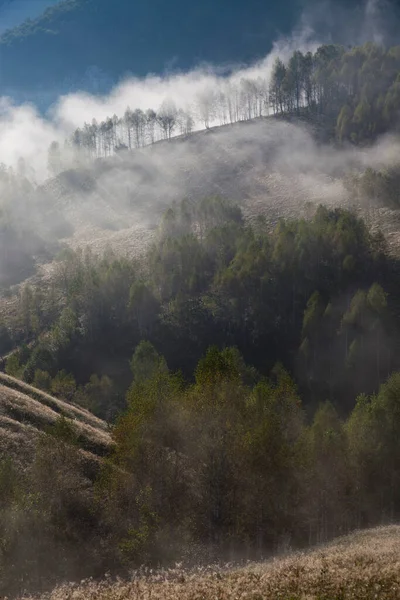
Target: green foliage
(378, 186)
(41, 359)
(13, 366)
(377, 298)
(138, 545)
(146, 363)
(225, 462)
(218, 366)
(312, 313)
(63, 385)
(209, 279)
(5, 339)
(98, 396)
(226, 339)
(63, 431)
(42, 380)
(356, 90)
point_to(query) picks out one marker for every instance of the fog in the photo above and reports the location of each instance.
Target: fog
(269, 166)
(27, 134)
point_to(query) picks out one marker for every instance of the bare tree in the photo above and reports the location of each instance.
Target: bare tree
(128, 118)
(138, 122)
(185, 122)
(262, 96)
(206, 106)
(222, 107)
(167, 118)
(151, 120)
(295, 74)
(277, 86)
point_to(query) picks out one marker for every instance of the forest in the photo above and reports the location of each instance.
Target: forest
(312, 295)
(251, 382)
(248, 371)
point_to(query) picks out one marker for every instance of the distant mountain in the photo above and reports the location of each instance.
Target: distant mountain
(62, 46)
(14, 12)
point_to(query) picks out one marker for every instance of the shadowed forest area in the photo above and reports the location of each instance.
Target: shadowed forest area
(262, 394)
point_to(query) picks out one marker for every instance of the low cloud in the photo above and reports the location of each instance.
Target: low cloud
(25, 133)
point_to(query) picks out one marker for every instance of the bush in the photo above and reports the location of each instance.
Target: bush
(42, 380)
(64, 385)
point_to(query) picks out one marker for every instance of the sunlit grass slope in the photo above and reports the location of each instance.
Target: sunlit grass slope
(25, 412)
(364, 566)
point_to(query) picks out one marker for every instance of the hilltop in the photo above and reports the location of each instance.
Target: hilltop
(362, 566)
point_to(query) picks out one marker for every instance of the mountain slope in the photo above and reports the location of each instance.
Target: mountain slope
(363, 566)
(25, 412)
(51, 454)
(268, 166)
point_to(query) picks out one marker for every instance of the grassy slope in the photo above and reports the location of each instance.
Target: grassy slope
(364, 566)
(25, 412)
(206, 163)
(101, 213)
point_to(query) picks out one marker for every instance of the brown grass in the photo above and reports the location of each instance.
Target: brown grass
(25, 412)
(59, 406)
(364, 566)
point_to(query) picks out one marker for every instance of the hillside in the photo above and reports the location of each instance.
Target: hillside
(363, 566)
(26, 412)
(271, 167)
(51, 455)
(119, 201)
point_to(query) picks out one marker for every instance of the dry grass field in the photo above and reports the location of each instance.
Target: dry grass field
(363, 566)
(25, 412)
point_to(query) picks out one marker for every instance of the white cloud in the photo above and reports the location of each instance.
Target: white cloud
(27, 134)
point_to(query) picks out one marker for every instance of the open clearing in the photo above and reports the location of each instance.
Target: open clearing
(363, 566)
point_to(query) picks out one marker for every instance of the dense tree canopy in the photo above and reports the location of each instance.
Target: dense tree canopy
(249, 377)
(311, 294)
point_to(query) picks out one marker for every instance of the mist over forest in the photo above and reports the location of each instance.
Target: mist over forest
(200, 315)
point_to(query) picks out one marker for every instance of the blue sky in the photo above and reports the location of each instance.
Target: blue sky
(103, 41)
(14, 12)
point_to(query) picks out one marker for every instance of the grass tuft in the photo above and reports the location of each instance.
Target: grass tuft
(364, 566)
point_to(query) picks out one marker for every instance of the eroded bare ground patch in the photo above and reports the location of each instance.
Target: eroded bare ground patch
(364, 566)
